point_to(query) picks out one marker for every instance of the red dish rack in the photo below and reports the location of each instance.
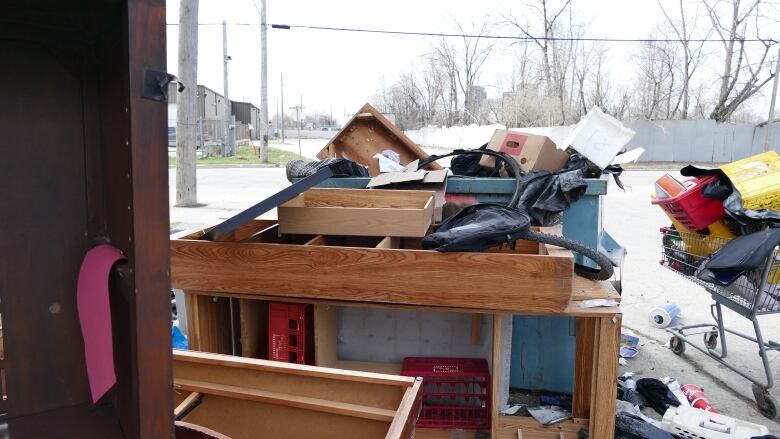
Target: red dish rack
(456, 392)
(692, 209)
(291, 332)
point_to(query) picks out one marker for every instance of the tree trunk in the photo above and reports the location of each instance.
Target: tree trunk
(186, 108)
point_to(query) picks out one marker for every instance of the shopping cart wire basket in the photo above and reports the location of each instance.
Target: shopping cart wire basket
(747, 293)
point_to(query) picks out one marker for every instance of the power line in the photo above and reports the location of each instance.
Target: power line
(495, 37)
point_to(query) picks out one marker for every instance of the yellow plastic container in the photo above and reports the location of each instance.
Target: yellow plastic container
(757, 179)
(702, 245)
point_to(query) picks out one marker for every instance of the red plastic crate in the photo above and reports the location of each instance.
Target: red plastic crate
(692, 209)
(456, 392)
(291, 332)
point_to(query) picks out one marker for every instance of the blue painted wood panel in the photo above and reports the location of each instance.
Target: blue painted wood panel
(542, 353)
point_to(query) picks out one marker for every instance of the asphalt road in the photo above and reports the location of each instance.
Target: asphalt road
(632, 221)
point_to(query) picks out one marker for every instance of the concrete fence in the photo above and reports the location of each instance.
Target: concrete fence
(663, 140)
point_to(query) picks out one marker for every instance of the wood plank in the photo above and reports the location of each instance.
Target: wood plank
(571, 310)
(253, 322)
(325, 335)
(583, 366)
(188, 402)
(180, 356)
(366, 198)
(209, 323)
(466, 280)
(241, 419)
(607, 344)
(476, 329)
(316, 404)
(495, 375)
(403, 425)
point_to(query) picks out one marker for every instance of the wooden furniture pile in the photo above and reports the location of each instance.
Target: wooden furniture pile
(228, 284)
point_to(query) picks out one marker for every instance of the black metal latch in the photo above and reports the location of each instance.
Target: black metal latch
(156, 85)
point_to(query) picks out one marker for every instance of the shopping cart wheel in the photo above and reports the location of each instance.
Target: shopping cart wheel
(711, 340)
(767, 404)
(768, 407)
(678, 345)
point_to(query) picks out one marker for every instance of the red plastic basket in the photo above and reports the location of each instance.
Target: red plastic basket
(692, 209)
(456, 392)
(291, 332)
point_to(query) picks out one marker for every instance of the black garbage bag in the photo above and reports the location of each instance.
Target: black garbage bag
(468, 165)
(656, 394)
(742, 254)
(546, 195)
(340, 167)
(628, 426)
(477, 228)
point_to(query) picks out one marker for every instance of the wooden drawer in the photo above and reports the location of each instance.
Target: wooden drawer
(246, 398)
(256, 260)
(358, 212)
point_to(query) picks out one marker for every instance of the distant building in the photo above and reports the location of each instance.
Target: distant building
(211, 116)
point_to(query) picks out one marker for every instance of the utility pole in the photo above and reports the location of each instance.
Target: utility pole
(263, 85)
(282, 97)
(768, 136)
(186, 108)
(298, 109)
(229, 146)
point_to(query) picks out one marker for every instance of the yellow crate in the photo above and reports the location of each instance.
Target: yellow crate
(702, 245)
(757, 179)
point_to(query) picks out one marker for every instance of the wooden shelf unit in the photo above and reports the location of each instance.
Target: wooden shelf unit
(597, 336)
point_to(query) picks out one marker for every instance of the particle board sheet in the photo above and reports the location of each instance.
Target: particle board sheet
(241, 397)
(539, 282)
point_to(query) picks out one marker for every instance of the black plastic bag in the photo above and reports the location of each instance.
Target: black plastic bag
(657, 394)
(340, 167)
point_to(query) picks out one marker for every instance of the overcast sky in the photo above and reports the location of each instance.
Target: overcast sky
(342, 70)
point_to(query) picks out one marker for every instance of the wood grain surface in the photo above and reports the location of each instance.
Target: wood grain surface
(499, 281)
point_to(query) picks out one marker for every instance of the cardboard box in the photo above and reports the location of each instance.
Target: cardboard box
(421, 180)
(532, 152)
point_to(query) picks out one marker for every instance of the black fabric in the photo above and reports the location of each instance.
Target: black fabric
(632, 396)
(478, 227)
(468, 165)
(340, 167)
(628, 426)
(742, 254)
(717, 189)
(545, 195)
(657, 394)
(768, 436)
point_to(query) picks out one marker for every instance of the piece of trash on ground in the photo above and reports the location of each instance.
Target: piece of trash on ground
(549, 414)
(595, 303)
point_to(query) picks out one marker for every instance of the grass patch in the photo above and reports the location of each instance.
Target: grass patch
(245, 155)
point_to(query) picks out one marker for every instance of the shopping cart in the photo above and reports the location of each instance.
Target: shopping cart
(752, 294)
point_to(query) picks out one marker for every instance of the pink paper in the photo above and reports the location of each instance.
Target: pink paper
(95, 317)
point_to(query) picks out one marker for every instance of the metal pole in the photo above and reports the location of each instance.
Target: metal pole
(263, 85)
(282, 98)
(225, 59)
(768, 136)
(300, 122)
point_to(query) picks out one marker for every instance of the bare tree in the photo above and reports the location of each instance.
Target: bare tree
(745, 71)
(684, 27)
(473, 54)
